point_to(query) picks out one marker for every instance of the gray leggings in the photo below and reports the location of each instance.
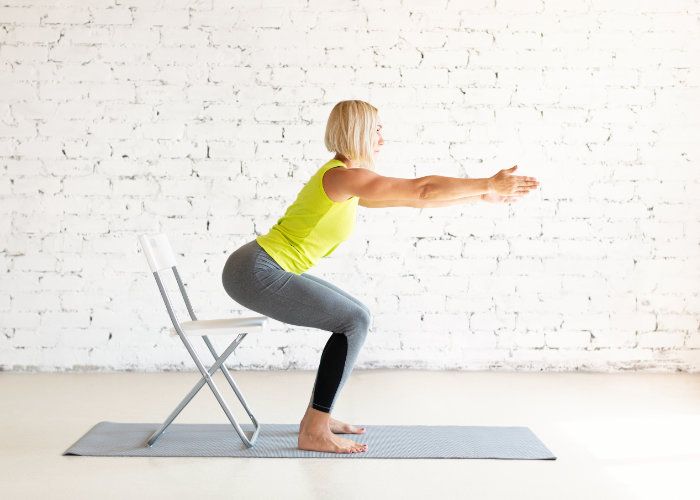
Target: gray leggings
(252, 278)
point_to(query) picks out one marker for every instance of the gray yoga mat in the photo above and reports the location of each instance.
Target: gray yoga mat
(115, 439)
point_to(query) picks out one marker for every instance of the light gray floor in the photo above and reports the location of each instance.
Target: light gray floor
(616, 436)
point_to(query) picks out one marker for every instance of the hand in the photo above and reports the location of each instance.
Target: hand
(505, 184)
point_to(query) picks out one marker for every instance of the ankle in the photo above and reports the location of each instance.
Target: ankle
(314, 428)
(316, 414)
(315, 419)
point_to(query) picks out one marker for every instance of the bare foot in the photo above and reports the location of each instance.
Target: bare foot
(350, 442)
(339, 427)
(336, 426)
(328, 442)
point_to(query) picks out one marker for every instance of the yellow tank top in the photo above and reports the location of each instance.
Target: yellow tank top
(312, 227)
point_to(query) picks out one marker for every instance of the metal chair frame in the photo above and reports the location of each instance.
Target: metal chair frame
(206, 373)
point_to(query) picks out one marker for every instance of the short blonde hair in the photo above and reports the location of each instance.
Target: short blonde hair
(349, 131)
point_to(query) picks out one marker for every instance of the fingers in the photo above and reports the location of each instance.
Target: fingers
(528, 184)
(524, 178)
(521, 190)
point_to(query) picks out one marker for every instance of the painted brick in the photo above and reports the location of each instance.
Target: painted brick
(203, 122)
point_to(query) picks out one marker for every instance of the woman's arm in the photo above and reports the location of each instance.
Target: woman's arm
(418, 203)
(437, 187)
(342, 183)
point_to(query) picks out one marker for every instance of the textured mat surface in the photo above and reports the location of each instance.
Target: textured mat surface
(280, 441)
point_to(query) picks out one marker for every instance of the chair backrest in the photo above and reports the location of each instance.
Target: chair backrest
(158, 251)
(160, 256)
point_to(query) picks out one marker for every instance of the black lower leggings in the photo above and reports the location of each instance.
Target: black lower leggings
(252, 278)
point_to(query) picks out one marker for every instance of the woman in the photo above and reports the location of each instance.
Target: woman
(268, 275)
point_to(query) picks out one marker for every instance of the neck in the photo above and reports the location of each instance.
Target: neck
(348, 162)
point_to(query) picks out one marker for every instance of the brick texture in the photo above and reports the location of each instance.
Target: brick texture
(203, 119)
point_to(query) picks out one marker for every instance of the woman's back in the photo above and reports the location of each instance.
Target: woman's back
(312, 227)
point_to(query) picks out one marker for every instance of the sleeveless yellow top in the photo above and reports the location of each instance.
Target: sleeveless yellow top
(312, 227)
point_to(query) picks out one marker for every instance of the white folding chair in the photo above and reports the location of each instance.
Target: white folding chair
(160, 257)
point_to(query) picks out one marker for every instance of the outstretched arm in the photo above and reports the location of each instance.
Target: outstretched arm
(427, 191)
(491, 198)
(418, 203)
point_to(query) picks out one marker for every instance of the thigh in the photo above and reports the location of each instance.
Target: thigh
(336, 289)
(293, 299)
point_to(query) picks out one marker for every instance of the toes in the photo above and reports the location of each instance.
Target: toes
(351, 429)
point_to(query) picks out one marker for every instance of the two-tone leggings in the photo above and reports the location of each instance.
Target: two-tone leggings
(252, 278)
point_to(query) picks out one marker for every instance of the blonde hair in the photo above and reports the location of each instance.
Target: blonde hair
(349, 131)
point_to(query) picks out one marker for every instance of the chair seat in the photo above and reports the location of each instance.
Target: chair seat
(247, 324)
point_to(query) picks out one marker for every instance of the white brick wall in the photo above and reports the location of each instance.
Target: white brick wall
(203, 119)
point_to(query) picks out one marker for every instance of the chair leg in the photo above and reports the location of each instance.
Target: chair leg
(192, 393)
(231, 382)
(206, 378)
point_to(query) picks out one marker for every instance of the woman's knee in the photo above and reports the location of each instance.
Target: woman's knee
(362, 319)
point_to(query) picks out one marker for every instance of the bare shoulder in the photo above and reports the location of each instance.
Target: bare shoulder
(339, 182)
